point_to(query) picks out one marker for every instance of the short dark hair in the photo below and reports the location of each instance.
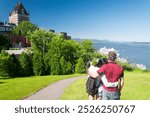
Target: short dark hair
(101, 62)
(112, 55)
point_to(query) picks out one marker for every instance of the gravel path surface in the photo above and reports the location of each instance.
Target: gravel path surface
(53, 91)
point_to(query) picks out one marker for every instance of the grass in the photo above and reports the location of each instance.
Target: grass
(137, 86)
(76, 91)
(19, 88)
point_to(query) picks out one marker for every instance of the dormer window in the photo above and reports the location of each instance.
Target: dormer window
(22, 11)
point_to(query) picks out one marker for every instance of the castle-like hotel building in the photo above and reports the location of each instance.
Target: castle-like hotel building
(18, 14)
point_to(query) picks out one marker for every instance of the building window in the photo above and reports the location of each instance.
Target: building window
(22, 11)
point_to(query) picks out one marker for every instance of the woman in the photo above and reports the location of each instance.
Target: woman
(94, 85)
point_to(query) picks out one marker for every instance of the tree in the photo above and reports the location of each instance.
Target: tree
(63, 65)
(9, 65)
(69, 68)
(55, 65)
(4, 42)
(55, 54)
(24, 27)
(80, 66)
(40, 40)
(38, 64)
(4, 65)
(26, 64)
(46, 64)
(66, 67)
(53, 47)
(69, 50)
(86, 50)
(14, 66)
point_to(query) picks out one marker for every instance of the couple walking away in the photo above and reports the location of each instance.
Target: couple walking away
(105, 79)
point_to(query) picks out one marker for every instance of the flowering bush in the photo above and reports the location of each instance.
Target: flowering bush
(122, 61)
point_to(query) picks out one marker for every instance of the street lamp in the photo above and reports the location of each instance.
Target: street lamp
(43, 46)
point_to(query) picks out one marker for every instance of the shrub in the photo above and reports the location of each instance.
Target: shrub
(46, 64)
(69, 68)
(4, 65)
(80, 66)
(55, 68)
(66, 67)
(38, 64)
(9, 65)
(126, 66)
(26, 64)
(4, 42)
(14, 66)
(63, 65)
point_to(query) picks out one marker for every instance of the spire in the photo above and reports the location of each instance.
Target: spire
(22, 14)
(19, 8)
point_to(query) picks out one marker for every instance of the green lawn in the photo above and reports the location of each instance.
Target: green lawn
(19, 88)
(137, 87)
(76, 91)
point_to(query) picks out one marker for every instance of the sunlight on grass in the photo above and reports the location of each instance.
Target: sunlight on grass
(18, 88)
(76, 91)
(137, 85)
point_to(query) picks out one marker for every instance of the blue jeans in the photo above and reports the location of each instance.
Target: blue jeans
(107, 95)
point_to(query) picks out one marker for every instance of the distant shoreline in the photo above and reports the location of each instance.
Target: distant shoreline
(139, 42)
(134, 52)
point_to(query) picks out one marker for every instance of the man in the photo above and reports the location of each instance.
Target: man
(95, 85)
(113, 73)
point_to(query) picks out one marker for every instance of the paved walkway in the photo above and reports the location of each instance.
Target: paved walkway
(53, 91)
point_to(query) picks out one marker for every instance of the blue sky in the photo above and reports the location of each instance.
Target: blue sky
(115, 20)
